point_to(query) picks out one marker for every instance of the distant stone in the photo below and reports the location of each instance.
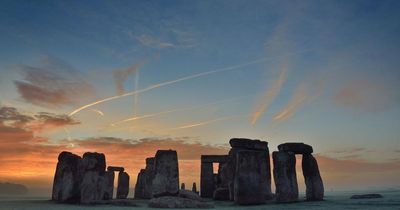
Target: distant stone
(221, 194)
(177, 202)
(189, 194)
(366, 196)
(166, 178)
(115, 168)
(251, 184)
(123, 185)
(194, 188)
(285, 176)
(296, 148)
(248, 144)
(312, 177)
(67, 178)
(183, 186)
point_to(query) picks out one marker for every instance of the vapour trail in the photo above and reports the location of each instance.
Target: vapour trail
(97, 111)
(209, 122)
(175, 110)
(175, 81)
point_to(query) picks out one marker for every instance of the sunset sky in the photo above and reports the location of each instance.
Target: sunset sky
(127, 78)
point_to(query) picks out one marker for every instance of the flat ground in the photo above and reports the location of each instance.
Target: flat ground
(391, 200)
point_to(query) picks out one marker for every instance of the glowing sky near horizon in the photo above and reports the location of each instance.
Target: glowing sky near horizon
(324, 74)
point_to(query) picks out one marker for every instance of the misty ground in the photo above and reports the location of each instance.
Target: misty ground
(333, 200)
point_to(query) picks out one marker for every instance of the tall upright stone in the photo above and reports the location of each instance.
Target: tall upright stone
(206, 180)
(92, 185)
(296, 148)
(251, 180)
(139, 187)
(312, 178)
(148, 178)
(166, 178)
(123, 185)
(67, 178)
(194, 188)
(285, 176)
(108, 185)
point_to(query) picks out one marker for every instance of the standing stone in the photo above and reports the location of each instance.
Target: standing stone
(285, 176)
(313, 180)
(123, 185)
(296, 148)
(166, 179)
(194, 188)
(148, 178)
(206, 180)
(92, 184)
(251, 180)
(67, 178)
(139, 187)
(183, 186)
(108, 185)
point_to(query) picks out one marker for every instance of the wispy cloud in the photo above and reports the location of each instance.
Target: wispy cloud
(153, 42)
(120, 76)
(269, 95)
(52, 83)
(299, 98)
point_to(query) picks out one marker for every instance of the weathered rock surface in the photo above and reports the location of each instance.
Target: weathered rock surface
(166, 178)
(248, 144)
(312, 178)
(93, 185)
(251, 184)
(123, 185)
(67, 178)
(366, 196)
(115, 168)
(108, 185)
(285, 176)
(189, 194)
(177, 202)
(296, 148)
(93, 161)
(221, 194)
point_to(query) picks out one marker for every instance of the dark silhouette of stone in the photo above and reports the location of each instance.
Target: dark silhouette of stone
(183, 186)
(221, 194)
(189, 194)
(214, 158)
(296, 148)
(123, 185)
(312, 178)
(366, 196)
(143, 188)
(251, 184)
(177, 202)
(139, 187)
(207, 180)
(67, 178)
(108, 185)
(248, 144)
(194, 188)
(115, 168)
(285, 176)
(93, 161)
(166, 178)
(93, 181)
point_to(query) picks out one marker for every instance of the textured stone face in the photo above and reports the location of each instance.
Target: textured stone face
(285, 176)
(67, 178)
(312, 178)
(123, 185)
(296, 148)
(251, 184)
(166, 178)
(93, 182)
(248, 144)
(93, 161)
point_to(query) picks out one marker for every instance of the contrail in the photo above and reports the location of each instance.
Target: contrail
(174, 110)
(97, 111)
(208, 122)
(299, 98)
(174, 81)
(269, 95)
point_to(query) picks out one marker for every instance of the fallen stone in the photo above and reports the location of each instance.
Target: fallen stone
(67, 178)
(248, 144)
(285, 176)
(189, 194)
(312, 177)
(221, 194)
(296, 148)
(177, 202)
(251, 184)
(366, 196)
(123, 185)
(166, 178)
(115, 168)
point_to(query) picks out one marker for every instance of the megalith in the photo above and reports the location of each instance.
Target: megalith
(251, 184)
(67, 178)
(312, 178)
(296, 148)
(285, 176)
(123, 185)
(207, 180)
(92, 185)
(166, 173)
(139, 187)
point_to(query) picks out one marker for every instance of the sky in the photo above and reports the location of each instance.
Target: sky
(127, 78)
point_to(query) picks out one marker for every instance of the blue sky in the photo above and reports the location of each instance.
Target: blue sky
(340, 57)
